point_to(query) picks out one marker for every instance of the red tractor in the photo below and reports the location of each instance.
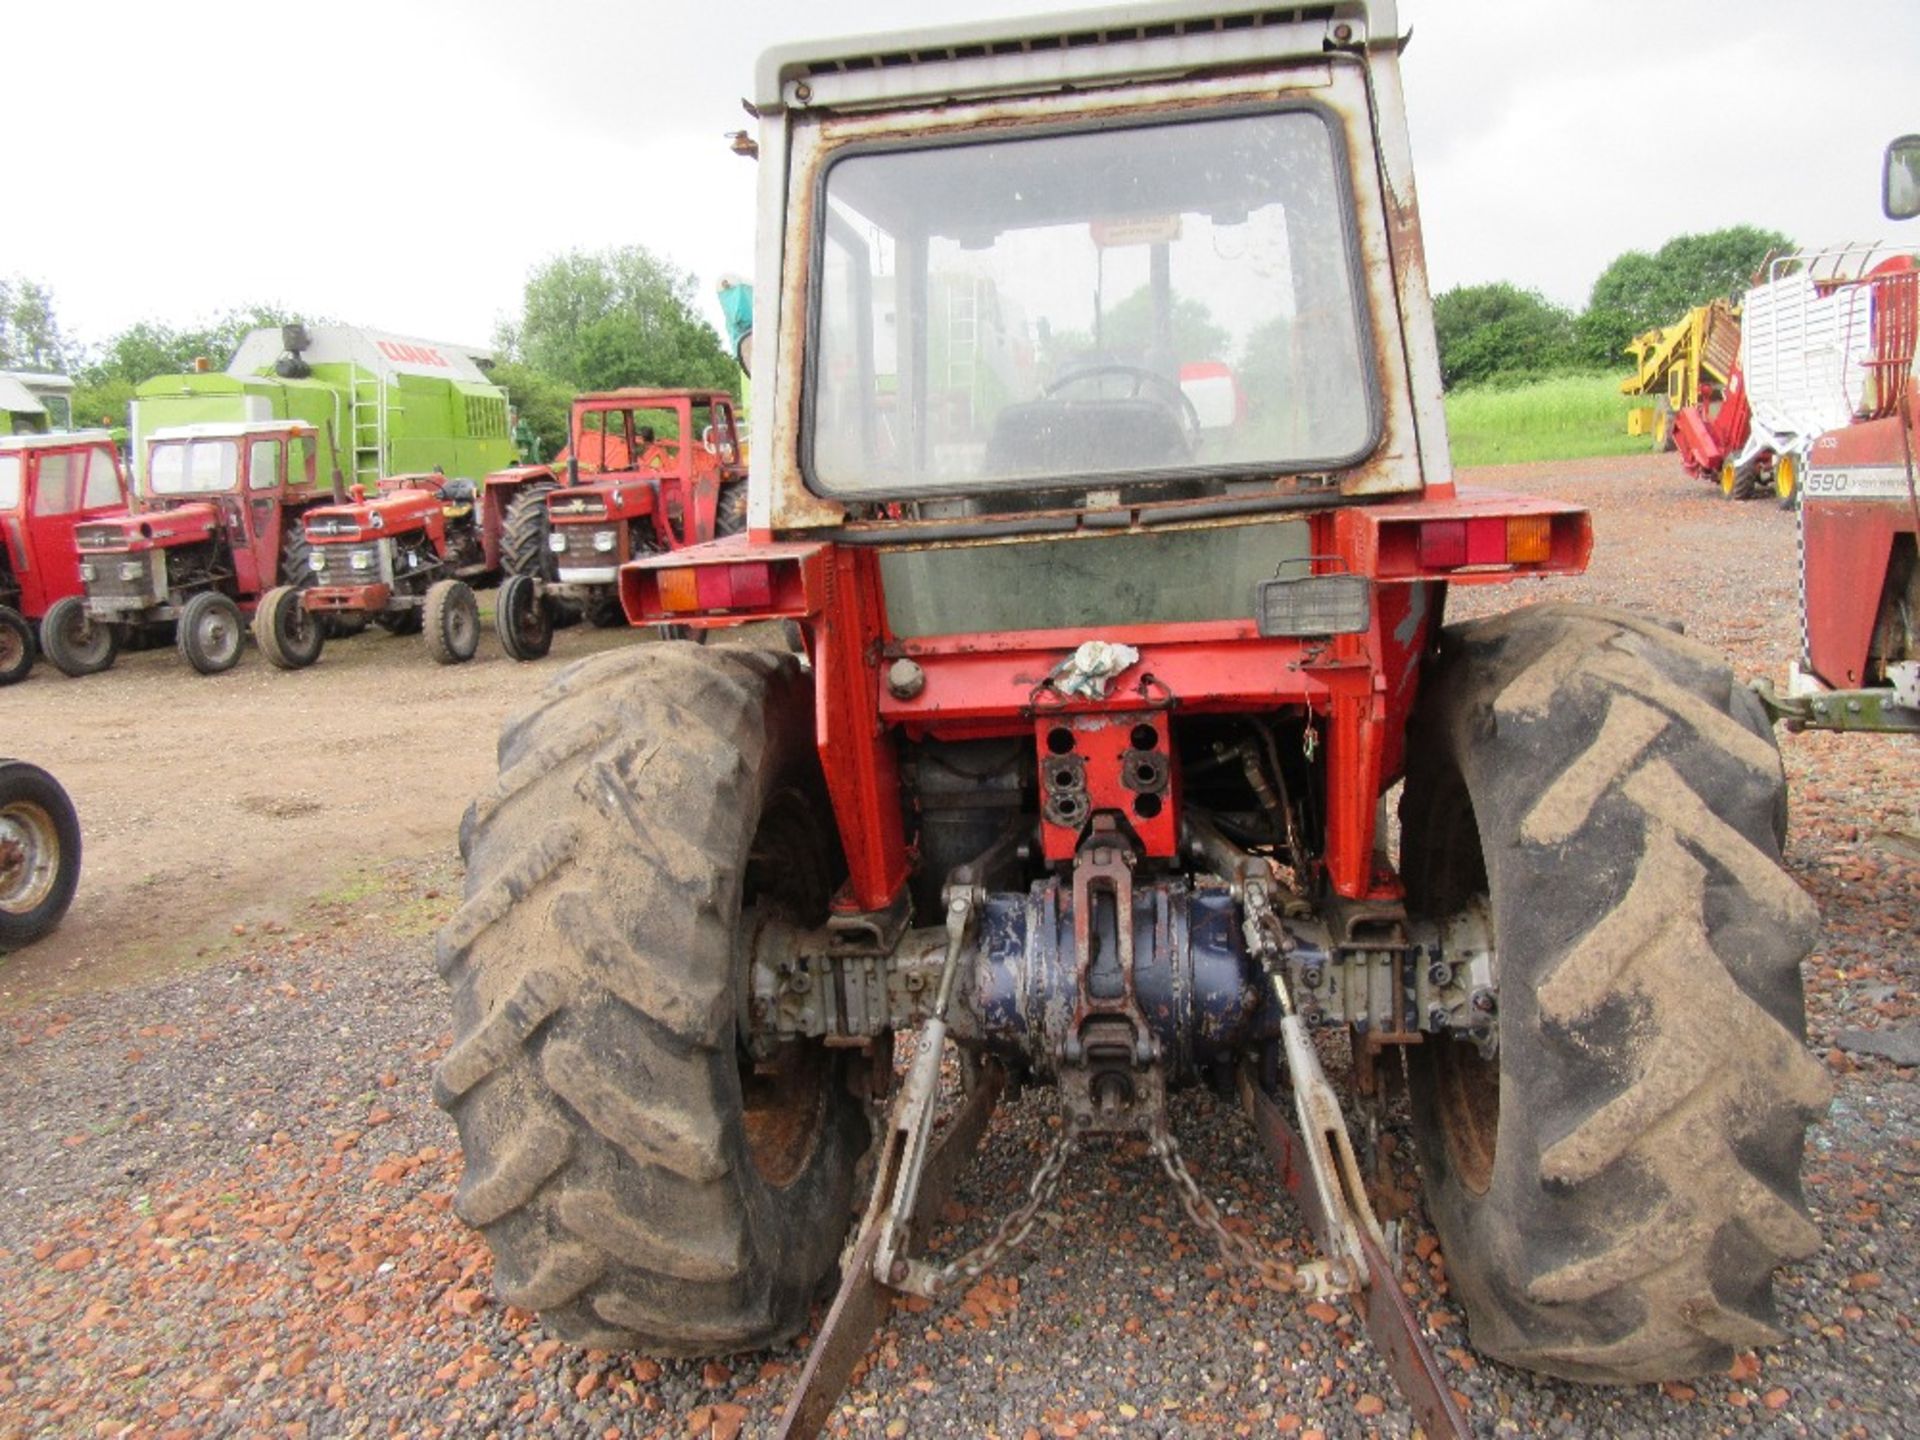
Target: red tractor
(1085, 772)
(48, 485)
(1860, 510)
(648, 471)
(401, 559)
(214, 529)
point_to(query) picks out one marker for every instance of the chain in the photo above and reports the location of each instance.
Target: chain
(1234, 1249)
(1017, 1225)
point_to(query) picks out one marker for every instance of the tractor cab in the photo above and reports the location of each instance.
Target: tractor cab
(49, 484)
(222, 487)
(647, 471)
(214, 525)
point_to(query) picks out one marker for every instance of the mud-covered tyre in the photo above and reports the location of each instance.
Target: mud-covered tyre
(75, 643)
(16, 646)
(521, 620)
(287, 633)
(39, 853)
(1614, 1191)
(211, 633)
(451, 621)
(640, 1182)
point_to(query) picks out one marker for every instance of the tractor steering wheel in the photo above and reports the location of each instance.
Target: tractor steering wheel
(1143, 380)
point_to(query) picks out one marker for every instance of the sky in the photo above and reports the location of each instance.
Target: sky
(405, 164)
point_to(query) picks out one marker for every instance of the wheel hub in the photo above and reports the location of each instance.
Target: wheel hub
(29, 856)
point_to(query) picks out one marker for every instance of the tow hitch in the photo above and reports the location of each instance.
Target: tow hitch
(1112, 1081)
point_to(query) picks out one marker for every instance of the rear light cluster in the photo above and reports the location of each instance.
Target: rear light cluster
(1494, 540)
(745, 586)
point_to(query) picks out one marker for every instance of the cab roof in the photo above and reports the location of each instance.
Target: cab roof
(1111, 41)
(231, 430)
(58, 440)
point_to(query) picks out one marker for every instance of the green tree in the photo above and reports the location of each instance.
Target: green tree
(609, 318)
(30, 336)
(1126, 329)
(541, 401)
(146, 348)
(1638, 291)
(1494, 331)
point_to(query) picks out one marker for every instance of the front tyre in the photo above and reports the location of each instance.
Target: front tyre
(288, 634)
(16, 646)
(210, 633)
(520, 616)
(74, 641)
(1614, 1188)
(451, 619)
(39, 853)
(641, 1180)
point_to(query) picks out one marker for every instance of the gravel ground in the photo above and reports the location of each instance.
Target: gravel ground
(229, 1190)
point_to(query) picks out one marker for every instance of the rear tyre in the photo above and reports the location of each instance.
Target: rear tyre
(74, 641)
(39, 853)
(640, 1181)
(289, 635)
(451, 620)
(520, 617)
(1614, 1190)
(523, 532)
(211, 633)
(730, 517)
(16, 646)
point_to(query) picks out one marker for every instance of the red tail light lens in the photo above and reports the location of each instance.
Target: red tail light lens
(1443, 544)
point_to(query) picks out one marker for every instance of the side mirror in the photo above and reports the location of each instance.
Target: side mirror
(1900, 181)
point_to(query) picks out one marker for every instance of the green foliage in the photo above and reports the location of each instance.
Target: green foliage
(602, 320)
(105, 382)
(30, 337)
(1126, 329)
(1638, 291)
(1563, 417)
(537, 400)
(1487, 332)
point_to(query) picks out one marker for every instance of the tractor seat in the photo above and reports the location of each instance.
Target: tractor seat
(1071, 437)
(459, 491)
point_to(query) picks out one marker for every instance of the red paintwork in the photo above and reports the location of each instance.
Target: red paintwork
(40, 548)
(407, 503)
(1850, 543)
(361, 599)
(1359, 689)
(253, 519)
(1705, 435)
(672, 483)
(1101, 740)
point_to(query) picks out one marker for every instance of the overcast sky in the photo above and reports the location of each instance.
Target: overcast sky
(404, 164)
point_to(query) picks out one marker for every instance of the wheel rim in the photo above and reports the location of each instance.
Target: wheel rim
(1467, 1092)
(85, 641)
(219, 637)
(528, 623)
(13, 649)
(29, 857)
(1728, 479)
(463, 626)
(301, 628)
(1783, 477)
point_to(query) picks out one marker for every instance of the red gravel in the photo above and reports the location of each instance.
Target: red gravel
(228, 1192)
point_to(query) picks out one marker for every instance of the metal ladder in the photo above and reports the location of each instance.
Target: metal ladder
(367, 424)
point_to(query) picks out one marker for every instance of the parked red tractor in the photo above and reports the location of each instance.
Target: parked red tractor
(401, 559)
(48, 485)
(1085, 768)
(1860, 509)
(648, 471)
(214, 528)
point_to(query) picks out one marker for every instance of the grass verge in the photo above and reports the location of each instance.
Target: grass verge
(1562, 417)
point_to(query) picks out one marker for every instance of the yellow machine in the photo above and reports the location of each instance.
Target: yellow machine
(1671, 362)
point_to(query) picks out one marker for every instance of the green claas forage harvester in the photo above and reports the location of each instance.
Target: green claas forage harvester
(1084, 769)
